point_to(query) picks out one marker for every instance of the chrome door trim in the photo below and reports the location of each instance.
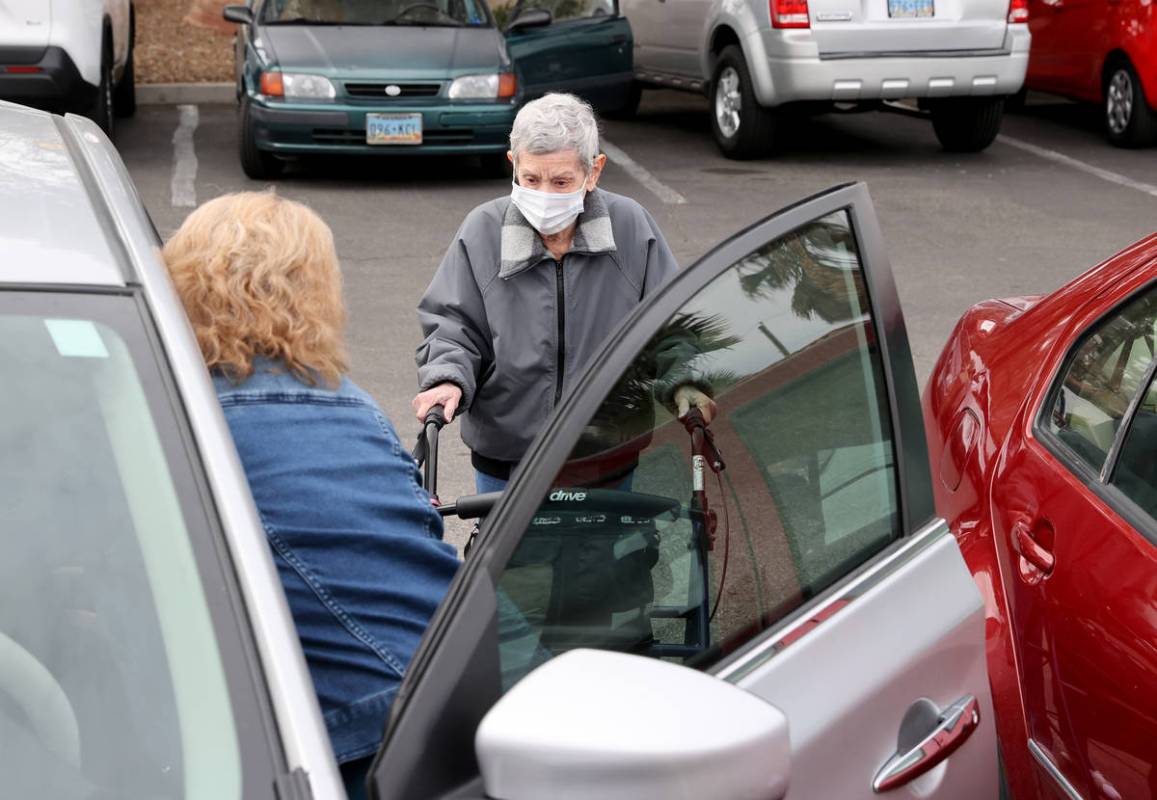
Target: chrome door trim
(1054, 772)
(791, 628)
(956, 725)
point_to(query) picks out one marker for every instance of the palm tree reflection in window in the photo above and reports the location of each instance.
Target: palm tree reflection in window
(816, 260)
(670, 359)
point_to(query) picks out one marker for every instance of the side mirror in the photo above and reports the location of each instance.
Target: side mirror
(531, 18)
(242, 15)
(593, 723)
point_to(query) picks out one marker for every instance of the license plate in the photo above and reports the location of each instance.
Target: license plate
(911, 8)
(393, 128)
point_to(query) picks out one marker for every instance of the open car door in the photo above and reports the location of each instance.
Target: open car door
(579, 46)
(763, 606)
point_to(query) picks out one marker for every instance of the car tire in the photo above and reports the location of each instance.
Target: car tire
(630, 105)
(743, 128)
(125, 97)
(496, 165)
(967, 124)
(101, 109)
(1129, 121)
(257, 164)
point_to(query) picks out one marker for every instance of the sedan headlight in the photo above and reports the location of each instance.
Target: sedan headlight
(297, 86)
(495, 86)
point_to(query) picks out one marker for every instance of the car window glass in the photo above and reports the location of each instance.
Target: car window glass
(1101, 378)
(374, 12)
(560, 10)
(111, 681)
(642, 546)
(1135, 473)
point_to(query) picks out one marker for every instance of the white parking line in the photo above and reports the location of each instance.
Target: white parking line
(640, 173)
(183, 189)
(1068, 161)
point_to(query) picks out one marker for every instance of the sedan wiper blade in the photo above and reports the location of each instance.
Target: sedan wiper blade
(304, 21)
(395, 23)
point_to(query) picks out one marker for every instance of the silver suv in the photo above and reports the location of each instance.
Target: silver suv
(760, 59)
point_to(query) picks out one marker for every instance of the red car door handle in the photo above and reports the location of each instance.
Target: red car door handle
(953, 728)
(1031, 550)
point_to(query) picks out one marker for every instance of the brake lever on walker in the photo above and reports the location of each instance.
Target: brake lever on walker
(703, 440)
(704, 455)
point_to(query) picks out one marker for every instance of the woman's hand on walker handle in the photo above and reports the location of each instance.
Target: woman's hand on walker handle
(448, 395)
(688, 397)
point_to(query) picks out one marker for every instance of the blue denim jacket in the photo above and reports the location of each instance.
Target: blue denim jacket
(357, 544)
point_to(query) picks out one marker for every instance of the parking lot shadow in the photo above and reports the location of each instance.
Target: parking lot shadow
(870, 137)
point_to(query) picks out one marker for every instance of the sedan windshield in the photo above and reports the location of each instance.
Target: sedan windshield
(375, 12)
(113, 677)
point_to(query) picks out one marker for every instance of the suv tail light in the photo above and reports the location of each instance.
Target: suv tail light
(1018, 11)
(792, 14)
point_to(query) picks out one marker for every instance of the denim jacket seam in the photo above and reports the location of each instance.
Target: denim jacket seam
(287, 398)
(419, 492)
(334, 607)
(346, 714)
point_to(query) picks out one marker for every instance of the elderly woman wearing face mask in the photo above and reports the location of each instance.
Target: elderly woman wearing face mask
(531, 285)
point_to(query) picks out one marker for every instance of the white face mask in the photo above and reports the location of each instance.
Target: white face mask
(548, 212)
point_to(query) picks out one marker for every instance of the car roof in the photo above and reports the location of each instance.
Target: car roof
(55, 224)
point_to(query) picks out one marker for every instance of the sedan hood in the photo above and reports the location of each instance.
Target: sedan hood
(389, 52)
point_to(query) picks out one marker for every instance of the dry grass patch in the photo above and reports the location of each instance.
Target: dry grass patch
(172, 50)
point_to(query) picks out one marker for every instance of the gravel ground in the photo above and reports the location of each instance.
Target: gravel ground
(170, 49)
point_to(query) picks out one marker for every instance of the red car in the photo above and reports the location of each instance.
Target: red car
(1102, 51)
(1041, 417)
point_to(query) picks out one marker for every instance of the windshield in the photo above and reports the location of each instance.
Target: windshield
(112, 676)
(375, 12)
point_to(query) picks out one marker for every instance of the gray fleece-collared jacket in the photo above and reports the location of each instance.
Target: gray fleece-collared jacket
(514, 328)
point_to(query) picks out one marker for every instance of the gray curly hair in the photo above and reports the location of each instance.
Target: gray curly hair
(555, 123)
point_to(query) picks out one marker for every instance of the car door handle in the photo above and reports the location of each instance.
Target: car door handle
(956, 724)
(619, 39)
(1030, 549)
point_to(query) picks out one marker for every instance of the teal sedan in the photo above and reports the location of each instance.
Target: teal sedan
(405, 77)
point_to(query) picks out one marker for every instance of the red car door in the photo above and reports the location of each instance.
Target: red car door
(1042, 56)
(1068, 45)
(1075, 534)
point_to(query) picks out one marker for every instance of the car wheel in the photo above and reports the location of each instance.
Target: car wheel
(742, 127)
(967, 124)
(257, 164)
(125, 97)
(496, 165)
(630, 106)
(101, 110)
(1129, 121)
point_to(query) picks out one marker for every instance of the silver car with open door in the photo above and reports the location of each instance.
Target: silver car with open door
(763, 607)
(146, 648)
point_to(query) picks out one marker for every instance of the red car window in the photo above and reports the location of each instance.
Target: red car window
(1104, 374)
(1136, 470)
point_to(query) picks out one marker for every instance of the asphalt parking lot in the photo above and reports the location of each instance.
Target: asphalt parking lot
(1048, 200)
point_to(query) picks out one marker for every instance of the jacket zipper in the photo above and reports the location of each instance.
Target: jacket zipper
(561, 329)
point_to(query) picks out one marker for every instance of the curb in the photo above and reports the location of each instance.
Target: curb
(164, 94)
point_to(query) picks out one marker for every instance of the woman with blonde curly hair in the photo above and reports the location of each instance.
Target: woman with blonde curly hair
(356, 542)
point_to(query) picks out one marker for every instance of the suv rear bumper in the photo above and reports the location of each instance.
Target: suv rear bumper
(793, 70)
(57, 86)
